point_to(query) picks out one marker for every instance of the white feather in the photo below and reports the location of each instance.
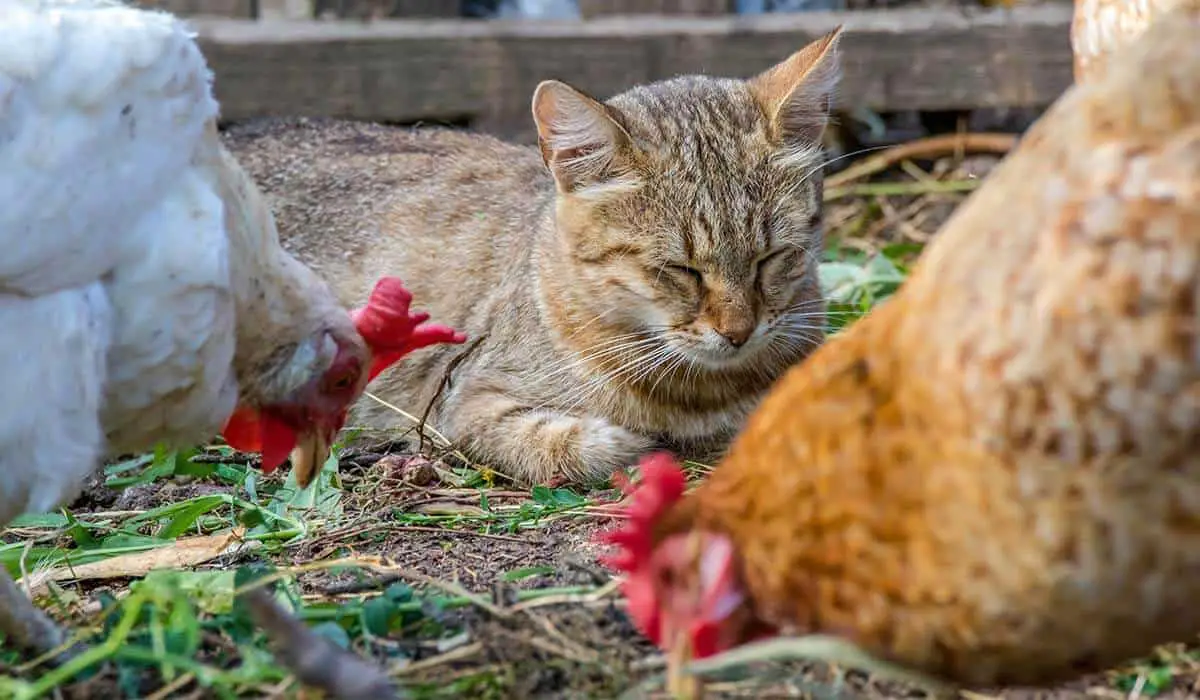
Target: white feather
(114, 277)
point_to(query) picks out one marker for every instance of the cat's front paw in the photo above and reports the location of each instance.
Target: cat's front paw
(605, 447)
(540, 447)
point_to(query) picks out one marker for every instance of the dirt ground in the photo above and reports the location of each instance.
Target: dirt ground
(524, 644)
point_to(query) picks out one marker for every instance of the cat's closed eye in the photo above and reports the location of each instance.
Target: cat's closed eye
(687, 271)
(772, 256)
(772, 261)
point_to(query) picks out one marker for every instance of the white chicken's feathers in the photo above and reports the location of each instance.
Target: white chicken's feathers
(170, 374)
(50, 432)
(99, 102)
(115, 275)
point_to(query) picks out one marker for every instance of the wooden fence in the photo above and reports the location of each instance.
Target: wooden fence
(482, 72)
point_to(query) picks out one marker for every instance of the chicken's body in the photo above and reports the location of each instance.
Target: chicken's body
(993, 477)
(1099, 27)
(120, 331)
(142, 286)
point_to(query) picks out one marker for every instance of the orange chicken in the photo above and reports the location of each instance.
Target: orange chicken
(1098, 27)
(994, 478)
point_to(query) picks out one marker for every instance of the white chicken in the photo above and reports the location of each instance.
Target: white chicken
(143, 292)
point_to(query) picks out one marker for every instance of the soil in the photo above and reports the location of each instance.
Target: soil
(577, 648)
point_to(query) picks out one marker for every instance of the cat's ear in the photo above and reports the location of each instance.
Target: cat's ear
(797, 94)
(582, 143)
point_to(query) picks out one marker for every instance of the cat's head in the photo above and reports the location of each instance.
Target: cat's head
(690, 209)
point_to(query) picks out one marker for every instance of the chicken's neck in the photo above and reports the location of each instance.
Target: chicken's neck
(279, 301)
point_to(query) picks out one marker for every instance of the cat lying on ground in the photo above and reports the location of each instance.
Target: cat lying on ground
(637, 281)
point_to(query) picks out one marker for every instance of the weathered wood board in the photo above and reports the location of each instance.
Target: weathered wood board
(485, 71)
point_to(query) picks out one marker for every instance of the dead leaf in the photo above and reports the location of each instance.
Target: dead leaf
(447, 508)
(180, 554)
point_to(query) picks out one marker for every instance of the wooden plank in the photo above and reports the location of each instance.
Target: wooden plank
(485, 71)
(234, 9)
(602, 8)
(384, 8)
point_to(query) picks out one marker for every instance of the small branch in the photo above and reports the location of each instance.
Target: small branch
(315, 660)
(443, 384)
(932, 147)
(900, 189)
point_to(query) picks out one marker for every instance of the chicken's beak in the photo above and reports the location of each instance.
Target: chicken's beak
(680, 684)
(312, 449)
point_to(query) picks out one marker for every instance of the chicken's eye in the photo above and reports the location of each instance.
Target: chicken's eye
(341, 382)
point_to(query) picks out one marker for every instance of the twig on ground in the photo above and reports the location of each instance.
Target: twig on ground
(896, 189)
(443, 384)
(564, 598)
(173, 687)
(463, 652)
(315, 660)
(381, 566)
(580, 653)
(931, 147)
(462, 533)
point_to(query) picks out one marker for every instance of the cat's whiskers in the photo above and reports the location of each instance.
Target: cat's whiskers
(600, 350)
(608, 349)
(595, 318)
(666, 359)
(806, 337)
(605, 380)
(672, 365)
(634, 372)
(820, 166)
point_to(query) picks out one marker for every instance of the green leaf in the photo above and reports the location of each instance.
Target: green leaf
(128, 465)
(399, 592)
(881, 269)
(183, 630)
(83, 538)
(899, 251)
(251, 486)
(840, 280)
(47, 521)
(334, 633)
(527, 572)
(541, 494)
(567, 497)
(186, 518)
(123, 540)
(377, 615)
(245, 575)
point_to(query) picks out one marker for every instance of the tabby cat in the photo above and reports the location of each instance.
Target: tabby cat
(637, 281)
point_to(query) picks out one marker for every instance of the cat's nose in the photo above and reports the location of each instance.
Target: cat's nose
(736, 335)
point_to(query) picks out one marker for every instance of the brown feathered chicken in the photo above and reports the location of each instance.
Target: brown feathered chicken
(994, 478)
(1099, 27)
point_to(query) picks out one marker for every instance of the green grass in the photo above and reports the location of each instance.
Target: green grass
(157, 626)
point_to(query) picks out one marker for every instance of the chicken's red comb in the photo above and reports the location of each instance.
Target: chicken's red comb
(391, 330)
(663, 483)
